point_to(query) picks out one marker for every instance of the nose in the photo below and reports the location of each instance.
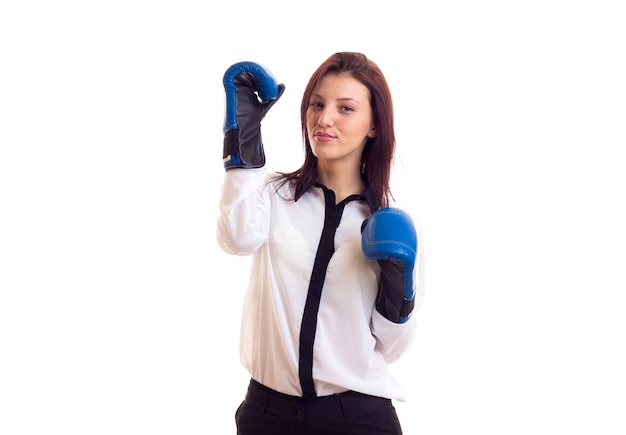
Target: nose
(324, 118)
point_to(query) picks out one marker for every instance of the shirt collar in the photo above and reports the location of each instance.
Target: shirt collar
(367, 196)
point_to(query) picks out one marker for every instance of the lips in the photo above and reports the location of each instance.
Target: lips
(324, 137)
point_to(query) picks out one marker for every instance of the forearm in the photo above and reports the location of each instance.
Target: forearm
(242, 221)
(392, 339)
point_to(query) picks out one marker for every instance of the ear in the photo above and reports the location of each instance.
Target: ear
(371, 133)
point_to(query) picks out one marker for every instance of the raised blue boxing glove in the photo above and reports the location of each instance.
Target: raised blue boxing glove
(389, 236)
(251, 90)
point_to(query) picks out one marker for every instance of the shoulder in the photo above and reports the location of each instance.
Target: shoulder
(279, 184)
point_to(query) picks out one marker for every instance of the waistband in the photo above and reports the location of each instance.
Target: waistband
(343, 405)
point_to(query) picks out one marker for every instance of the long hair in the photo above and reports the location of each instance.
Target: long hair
(378, 152)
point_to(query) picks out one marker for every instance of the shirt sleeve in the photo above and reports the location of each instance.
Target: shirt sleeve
(242, 225)
(392, 339)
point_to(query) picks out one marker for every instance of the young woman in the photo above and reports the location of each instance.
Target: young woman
(337, 271)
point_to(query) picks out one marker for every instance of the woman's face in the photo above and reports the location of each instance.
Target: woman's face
(339, 119)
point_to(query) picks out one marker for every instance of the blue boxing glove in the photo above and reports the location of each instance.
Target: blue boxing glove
(251, 90)
(389, 236)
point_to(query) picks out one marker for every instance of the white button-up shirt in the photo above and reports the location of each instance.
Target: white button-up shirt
(353, 342)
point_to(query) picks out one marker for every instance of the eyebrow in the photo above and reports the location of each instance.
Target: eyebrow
(338, 99)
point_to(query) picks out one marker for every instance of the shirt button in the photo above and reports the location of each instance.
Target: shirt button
(300, 412)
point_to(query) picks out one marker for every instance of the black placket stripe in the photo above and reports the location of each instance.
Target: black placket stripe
(325, 250)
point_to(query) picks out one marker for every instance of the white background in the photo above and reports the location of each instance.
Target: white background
(118, 312)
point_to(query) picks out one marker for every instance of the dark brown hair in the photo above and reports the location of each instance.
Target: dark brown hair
(378, 152)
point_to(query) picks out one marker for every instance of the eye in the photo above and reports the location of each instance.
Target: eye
(316, 105)
(346, 108)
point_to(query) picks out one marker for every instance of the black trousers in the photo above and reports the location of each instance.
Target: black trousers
(268, 412)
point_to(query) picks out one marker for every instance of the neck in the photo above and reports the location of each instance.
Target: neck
(343, 181)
